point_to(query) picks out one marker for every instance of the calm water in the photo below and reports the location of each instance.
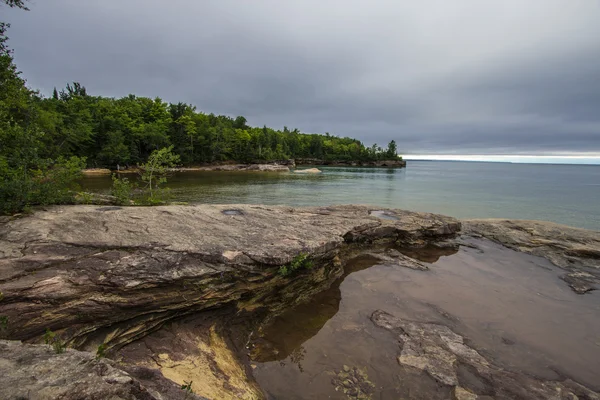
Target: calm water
(568, 194)
(510, 306)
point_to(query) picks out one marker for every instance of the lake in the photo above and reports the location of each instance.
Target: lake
(567, 194)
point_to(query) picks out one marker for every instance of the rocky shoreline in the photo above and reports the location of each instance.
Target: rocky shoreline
(275, 166)
(175, 279)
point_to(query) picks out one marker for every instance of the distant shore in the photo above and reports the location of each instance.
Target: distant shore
(274, 166)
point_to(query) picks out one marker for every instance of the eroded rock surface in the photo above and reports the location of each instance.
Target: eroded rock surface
(36, 372)
(446, 357)
(78, 269)
(575, 250)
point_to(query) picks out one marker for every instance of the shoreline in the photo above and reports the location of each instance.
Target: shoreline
(274, 166)
(127, 277)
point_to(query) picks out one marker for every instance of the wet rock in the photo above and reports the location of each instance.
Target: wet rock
(575, 250)
(442, 354)
(394, 257)
(36, 372)
(354, 383)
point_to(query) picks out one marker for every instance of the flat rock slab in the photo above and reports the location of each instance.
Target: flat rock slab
(82, 268)
(575, 250)
(441, 353)
(229, 232)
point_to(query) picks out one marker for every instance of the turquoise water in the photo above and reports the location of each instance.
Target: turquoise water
(567, 194)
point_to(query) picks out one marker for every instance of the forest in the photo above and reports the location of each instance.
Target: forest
(110, 132)
(44, 141)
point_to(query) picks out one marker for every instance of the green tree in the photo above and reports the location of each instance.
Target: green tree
(154, 171)
(392, 150)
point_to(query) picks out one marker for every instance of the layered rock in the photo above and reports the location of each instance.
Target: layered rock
(447, 358)
(122, 272)
(577, 251)
(238, 167)
(36, 372)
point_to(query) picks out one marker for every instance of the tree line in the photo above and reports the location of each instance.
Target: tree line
(111, 131)
(45, 140)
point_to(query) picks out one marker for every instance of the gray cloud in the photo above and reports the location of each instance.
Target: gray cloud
(450, 77)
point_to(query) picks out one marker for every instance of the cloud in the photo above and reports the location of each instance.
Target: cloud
(439, 77)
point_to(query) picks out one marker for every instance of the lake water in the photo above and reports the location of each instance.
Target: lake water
(510, 306)
(567, 194)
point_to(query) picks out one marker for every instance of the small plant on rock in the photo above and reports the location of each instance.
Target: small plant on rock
(187, 387)
(101, 352)
(3, 325)
(299, 262)
(55, 341)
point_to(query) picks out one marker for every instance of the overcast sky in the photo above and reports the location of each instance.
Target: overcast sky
(454, 77)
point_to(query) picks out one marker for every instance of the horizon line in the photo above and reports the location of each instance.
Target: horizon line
(575, 159)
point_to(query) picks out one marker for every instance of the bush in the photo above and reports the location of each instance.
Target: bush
(299, 262)
(46, 182)
(122, 189)
(55, 341)
(154, 173)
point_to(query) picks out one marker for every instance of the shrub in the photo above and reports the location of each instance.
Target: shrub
(187, 387)
(55, 341)
(41, 183)
(122, 189)
(154, 173)
(299, 262)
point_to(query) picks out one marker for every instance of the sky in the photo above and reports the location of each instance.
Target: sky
(461, 77)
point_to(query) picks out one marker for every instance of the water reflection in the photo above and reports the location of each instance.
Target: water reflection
(284, 335)
(429, 254)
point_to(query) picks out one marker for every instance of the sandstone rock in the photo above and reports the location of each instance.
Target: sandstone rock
(116, 274)
(35, 372)
(96, 171)
(575, 250)
(440, 352)
(274, 167)
(308, 171)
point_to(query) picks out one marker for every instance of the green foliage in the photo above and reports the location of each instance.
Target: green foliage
(101, 352)
(187, 387)
(299, 262)
(55, 341)
(29, 173)
(43, 141)
(122, 189)
(3, 325)
(154, 173)
(86, 198)
(1, 296)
